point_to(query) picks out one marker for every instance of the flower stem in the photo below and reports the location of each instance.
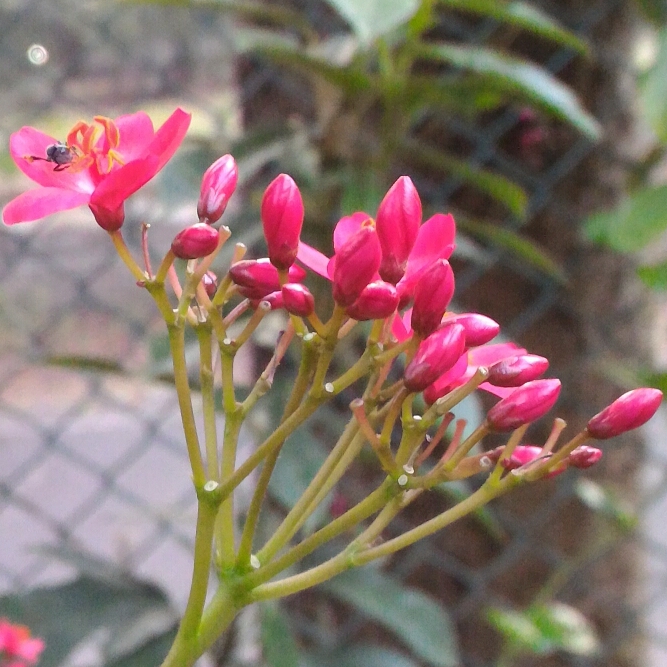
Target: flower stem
(124, 253)
(208, 399)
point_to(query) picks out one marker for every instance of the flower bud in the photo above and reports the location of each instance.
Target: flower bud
(210, 282)
(433, 293)
(480, 329)
(110, 221)
(524, 405)
(584, 456)
(275, 300)
(629, 411)
(282, 218)
(515, 371)
(217, 186)
(196, 241)
(297, 299)
(524, 454)
(355, 265)
(397, 223)
(377, 301)
(435, 356)
(260, 277)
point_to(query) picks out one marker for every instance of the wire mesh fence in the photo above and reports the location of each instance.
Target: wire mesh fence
(94, 457)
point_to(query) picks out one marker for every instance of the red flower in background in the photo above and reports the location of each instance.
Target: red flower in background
(103, 163)
(17, 647)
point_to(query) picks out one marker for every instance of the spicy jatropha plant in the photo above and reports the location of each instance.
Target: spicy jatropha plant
(419, 361)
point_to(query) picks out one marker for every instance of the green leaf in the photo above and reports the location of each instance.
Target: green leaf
(565, 628)
(654, 276)
(373, 18)
(417, 619)
(638, 220)
(521, 15)
(359, 655)
(280, 648)
(495, 185)
(518, 79)
(524, 249)
(518, 630)
(653, 90)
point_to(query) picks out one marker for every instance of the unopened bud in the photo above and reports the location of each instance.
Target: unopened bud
(584, 456)
(355, 265)
(524, 454)
(524, 405)
(515, 371)
(258, 277)
(377, 301)
(217, 186)
(210, 282)
(433, 293)
(196, 241)
(480, 329)
(398, 218)
(282, 218)
(629, 411)
(298, 300)
(435, 356)
(275, 300)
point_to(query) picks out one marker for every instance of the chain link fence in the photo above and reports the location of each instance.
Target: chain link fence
(94, 456)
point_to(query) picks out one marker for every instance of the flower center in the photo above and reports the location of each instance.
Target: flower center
(95, 144)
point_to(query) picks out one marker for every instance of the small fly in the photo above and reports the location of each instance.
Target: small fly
(60, 154)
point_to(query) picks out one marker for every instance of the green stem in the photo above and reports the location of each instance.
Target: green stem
(126, 256)
(177, 345)
(225, 521)
(208, 399)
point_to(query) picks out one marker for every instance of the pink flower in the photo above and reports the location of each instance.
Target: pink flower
(398, 219)
(627, 412)
(297, 299)
(217, 186)
(195, 241)
(515, 371)
(17, 646)
(377, 301)
(106, 162)
(432, 295)
(282, 218)
(356, 264)
(524, 405)
(258, 278)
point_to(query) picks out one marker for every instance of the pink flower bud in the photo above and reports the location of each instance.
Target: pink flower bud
(515, 371)
(260, 277)
(433, 293)
(398, 218)
(275, 300)
(377, 301)
(584, 456)
(435, 356)
(524, 454)
(480, 329)
(282, 218)
(297, 299)
(110, 221)
(629, 411)
(217, 186)
(524, 405)
(210, 282)
(196, 241)
(356, 264)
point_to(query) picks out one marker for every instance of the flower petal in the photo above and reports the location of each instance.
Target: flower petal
(347, 226)
(485, 355)
(136, 134)
(31, 142)
(40, 202)
(169, 137)
(122, 182)
(313, 259)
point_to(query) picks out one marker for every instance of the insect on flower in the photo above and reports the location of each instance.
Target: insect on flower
(59, 153)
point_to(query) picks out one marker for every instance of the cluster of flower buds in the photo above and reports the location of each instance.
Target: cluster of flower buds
(17, 647)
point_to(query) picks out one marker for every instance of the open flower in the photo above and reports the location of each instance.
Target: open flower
(101, 164)
(17, 647)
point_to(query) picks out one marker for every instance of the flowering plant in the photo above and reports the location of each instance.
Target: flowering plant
(392, 271)
(17, 647)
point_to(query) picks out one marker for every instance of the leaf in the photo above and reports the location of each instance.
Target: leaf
(359, 655)
(653, 90)
(521, 15)
(654, 276)
(524, 249)
(417, 619)
(518, 78)
(280, 648)
(373, 18)
(518, 631)
(638, 220)
(495, 185)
